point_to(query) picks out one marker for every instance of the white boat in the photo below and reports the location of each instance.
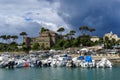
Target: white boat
(20, 63)
(86, 62)
(60, 60)
(104, 63)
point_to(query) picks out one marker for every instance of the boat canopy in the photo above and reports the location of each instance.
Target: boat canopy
(84, 49)
(81, 58)
(88, 59)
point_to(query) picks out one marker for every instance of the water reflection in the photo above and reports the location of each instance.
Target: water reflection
(60, 74)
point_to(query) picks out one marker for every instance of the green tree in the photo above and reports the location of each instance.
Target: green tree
(26, 49)
(44, 29)
(14, 37)
(66, 44)
(23, 34)
(83, 29)
(60, 30)
(92, 30)
(8, 37)
(84, 39)
(118, 42)
(109, 43)
(72, 33)
(113, 41)
(36, 46)
(60, 43)
(106, 42)
(13, 46)
(68, 36)
(75, 43)
(101, 41)
(42, 46)
(4, 37)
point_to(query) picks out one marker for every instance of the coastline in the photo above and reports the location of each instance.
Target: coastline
(115, 58)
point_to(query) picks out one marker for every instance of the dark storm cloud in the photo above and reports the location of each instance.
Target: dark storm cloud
(30, 15)
(102, 15)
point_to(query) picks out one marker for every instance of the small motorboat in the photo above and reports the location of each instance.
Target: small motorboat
(104, 63)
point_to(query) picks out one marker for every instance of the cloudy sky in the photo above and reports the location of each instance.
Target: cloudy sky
(30, 15)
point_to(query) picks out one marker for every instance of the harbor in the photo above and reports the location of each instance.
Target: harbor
(59, 39)
(42, 59)
(28, 69)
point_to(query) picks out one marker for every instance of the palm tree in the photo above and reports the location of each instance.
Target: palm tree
(72, 32)
(24, 34)
(8, 38)
(43, 29)
(1, 38)
(67, 36)
(60, 30)
(14, 37)
(83, 29)
(92, 30)
(4, 37)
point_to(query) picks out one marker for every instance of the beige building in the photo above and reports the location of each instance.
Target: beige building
(94, 38)
(111, 36)
(45, 39)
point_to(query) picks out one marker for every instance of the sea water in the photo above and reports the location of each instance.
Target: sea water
(61, 73)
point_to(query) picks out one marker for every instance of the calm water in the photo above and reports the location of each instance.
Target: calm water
(50, 73)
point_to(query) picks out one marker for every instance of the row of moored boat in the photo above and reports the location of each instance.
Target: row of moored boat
(62, 60)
